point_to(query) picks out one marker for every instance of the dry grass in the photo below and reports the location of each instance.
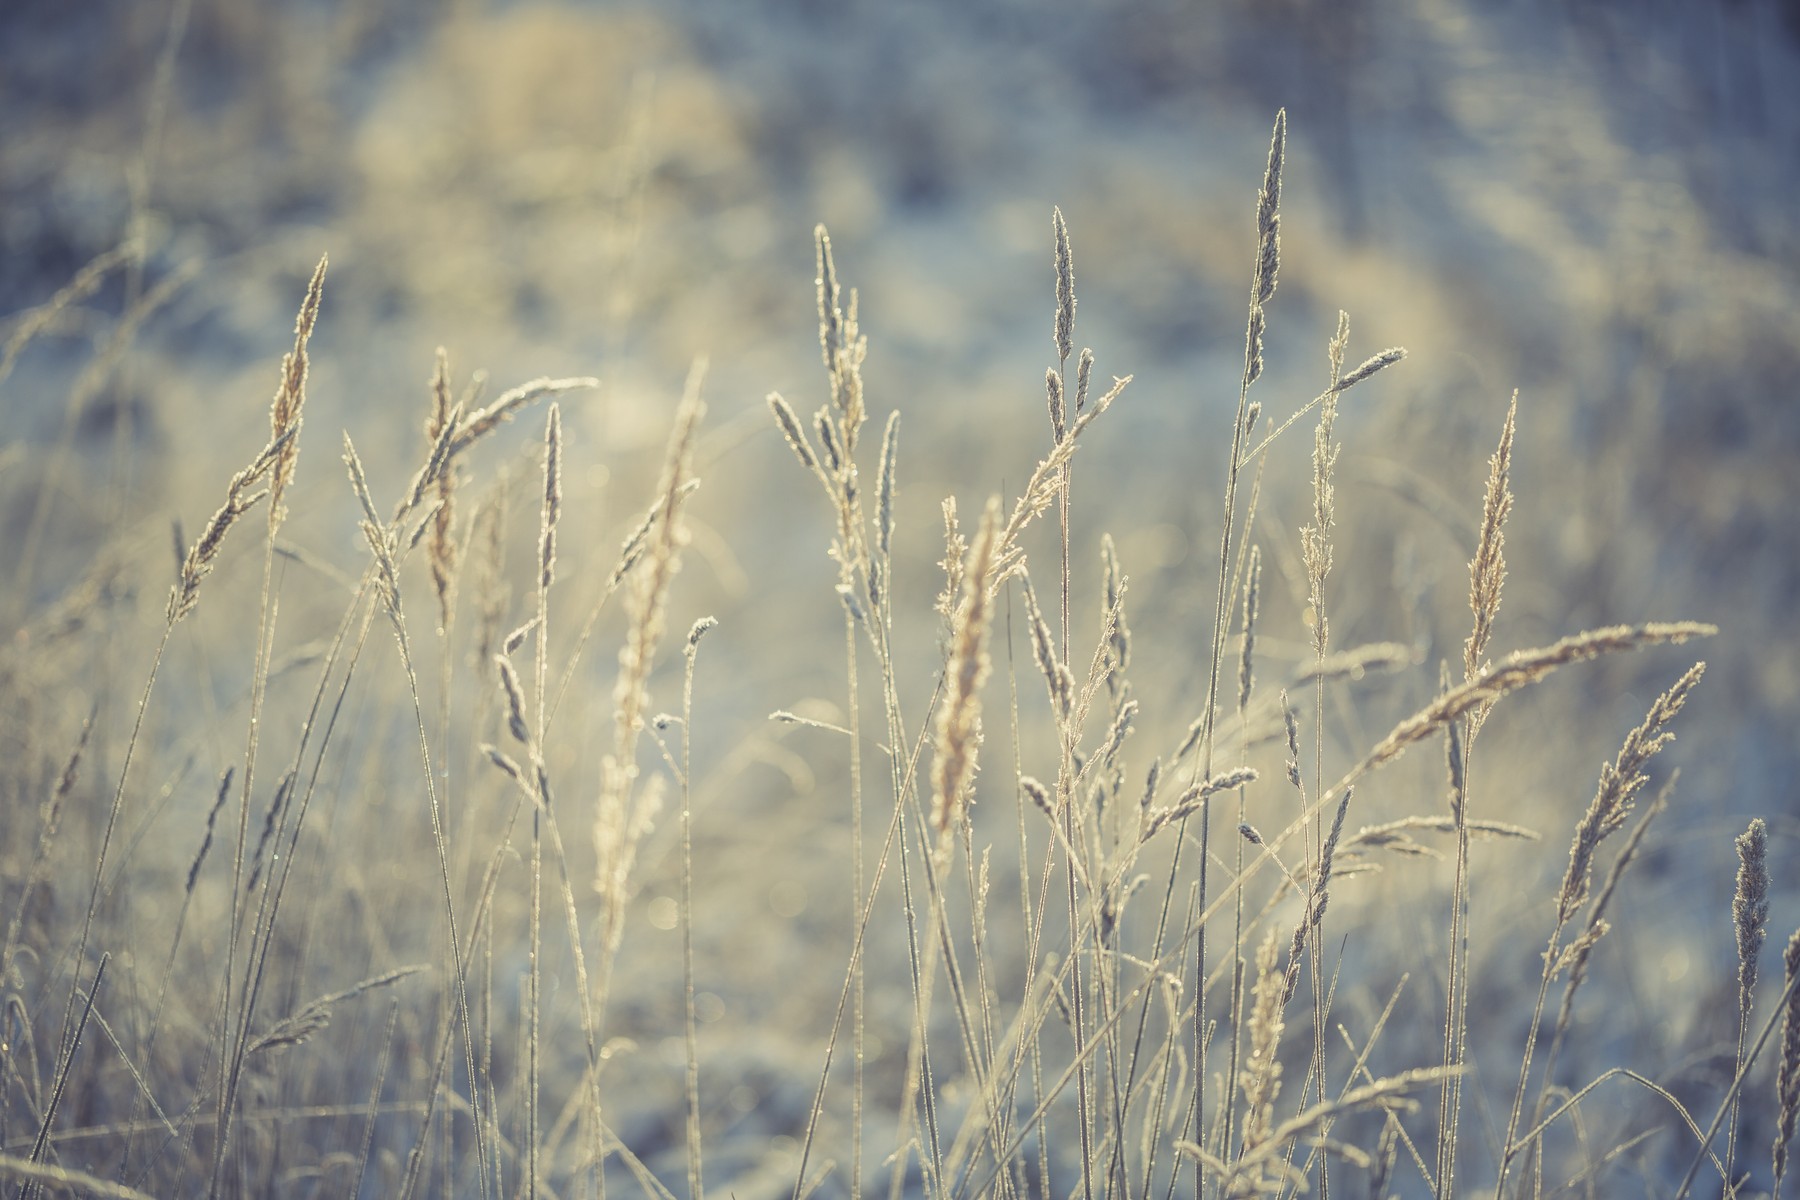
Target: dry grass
(1153, 1012)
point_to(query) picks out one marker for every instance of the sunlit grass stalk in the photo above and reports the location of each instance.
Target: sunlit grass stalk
(881, 599)
(865, 591)
(696, 1190)
(1487, 576)
(1030, 917)
(285, 419)
(546, 574)
(1066, 798)
(625, 809)
(1620, 782)
(859, 1001)
(444, 414)
(1316, 554)
(957, 740)
(1787, 1073)
(197, 562)
(1262, 290)
(1246, 680)
(1456, 969)
(386, 544)
(1750, 918)
(860, 574)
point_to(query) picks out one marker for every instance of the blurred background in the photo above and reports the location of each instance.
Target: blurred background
(1589, 203)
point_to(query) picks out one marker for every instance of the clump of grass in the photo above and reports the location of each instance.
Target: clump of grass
(1239, 1146)
(1136, 1026)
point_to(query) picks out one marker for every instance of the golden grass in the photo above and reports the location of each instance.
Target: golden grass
(1156, 1012)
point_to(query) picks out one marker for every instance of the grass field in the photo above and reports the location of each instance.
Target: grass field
(583, 619)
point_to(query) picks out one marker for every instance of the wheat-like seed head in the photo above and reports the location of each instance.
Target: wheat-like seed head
(1116, 733)
(880, 566)
(828, 442)
(1487, 570)
(552, 496)
(885, 483)
(442, 551)
(1064, 335)
(1262, 1070)
(1396, 836)
(212, 820)
(316, 1014)
(1520, 669)
(846, 379)
(1327, 851)
(661, 561)
(1620, 782)
(290, 396)
(1370, 365)
(1045, 484)
(271, 818)
(1252, 601)
(1268, 211)
(698, 630)
(831, 311)
(441, 402)
(1335, 350)
(956, 550)
(1268, 251)
(1113, 583)
(506, 764)
(1057, 678)
(625, 811)
(515, 700)
(491, 592)
(1318, 888)
(1750, 906)
(483, 421)
(1454, 768)
(239, 499)
(1787, 1076)
(631, 549)
(1292, 727)
(841, 344)
(375, 531)
(790, 429)
(1315, 539)
(1190, 801)
(959, 715)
